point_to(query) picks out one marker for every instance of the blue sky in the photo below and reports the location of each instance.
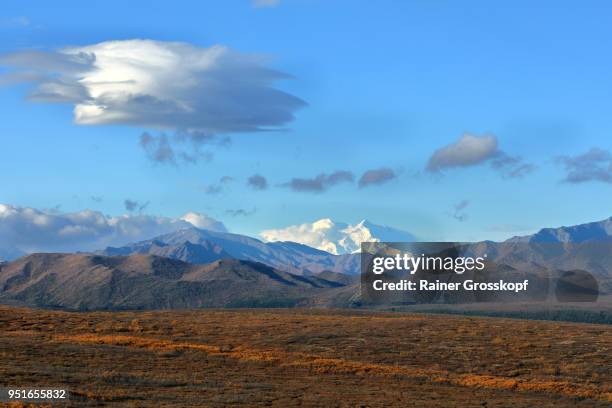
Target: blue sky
(386, 84)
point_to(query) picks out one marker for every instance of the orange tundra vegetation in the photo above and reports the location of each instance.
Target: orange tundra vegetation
(305, 358)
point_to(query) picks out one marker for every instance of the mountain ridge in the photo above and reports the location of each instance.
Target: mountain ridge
(289, 256)
(139, 281)
(579, 233)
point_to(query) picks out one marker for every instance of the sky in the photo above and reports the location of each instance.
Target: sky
(451, 120)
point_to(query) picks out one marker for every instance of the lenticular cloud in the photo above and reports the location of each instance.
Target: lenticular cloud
(157, 84)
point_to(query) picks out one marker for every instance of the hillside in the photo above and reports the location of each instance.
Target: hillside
(85, 282)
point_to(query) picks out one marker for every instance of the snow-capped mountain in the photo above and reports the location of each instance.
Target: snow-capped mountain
(336, 237)
(198, 246)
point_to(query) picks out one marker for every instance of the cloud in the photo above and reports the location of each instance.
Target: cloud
(459, 210)
(213, 189)
(257, 182)
(197, 92)
(15, 22)
(336, 237)
(97, 199)
(203, 221)
(172, 150)
(594, 165)
(158, 149)
(511, 166)
(241, 212)
(266, 3)
(469, 150)
(25, 229)
(323, 234)
(161, 85)
(376, 177)
(131, 205)
(218, 188)
(321, 182)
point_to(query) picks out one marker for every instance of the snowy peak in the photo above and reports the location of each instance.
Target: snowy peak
(336, 237)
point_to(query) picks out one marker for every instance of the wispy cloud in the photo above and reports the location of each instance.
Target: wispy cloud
(15, 22)
(158, 148)
(511, 166)
(471, 150)
(321, 182)
(459, 210)
(593, 165)
(132, 205)
(377, 176)
(241, 212)
(213, 189)
(257, 182)
(265, 3)
(164, 149)
(217, 188)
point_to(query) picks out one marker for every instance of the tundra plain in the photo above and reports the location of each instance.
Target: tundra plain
(305, 357)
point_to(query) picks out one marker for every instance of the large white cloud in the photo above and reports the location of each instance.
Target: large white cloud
(24, 230)
(323, 234)
(336, 237)
(203, 221)
(157, 84)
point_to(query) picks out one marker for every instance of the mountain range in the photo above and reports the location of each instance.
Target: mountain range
(95, 282)
(598, 231)
(201, 268)
(199, 246)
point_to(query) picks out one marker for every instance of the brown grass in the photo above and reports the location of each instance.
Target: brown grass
(305, 358)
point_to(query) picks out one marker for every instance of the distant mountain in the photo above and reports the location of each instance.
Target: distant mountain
(586, 247)
(202, 252)
(198, 246)
(599, 231)
(88, 282)
(337, 237)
